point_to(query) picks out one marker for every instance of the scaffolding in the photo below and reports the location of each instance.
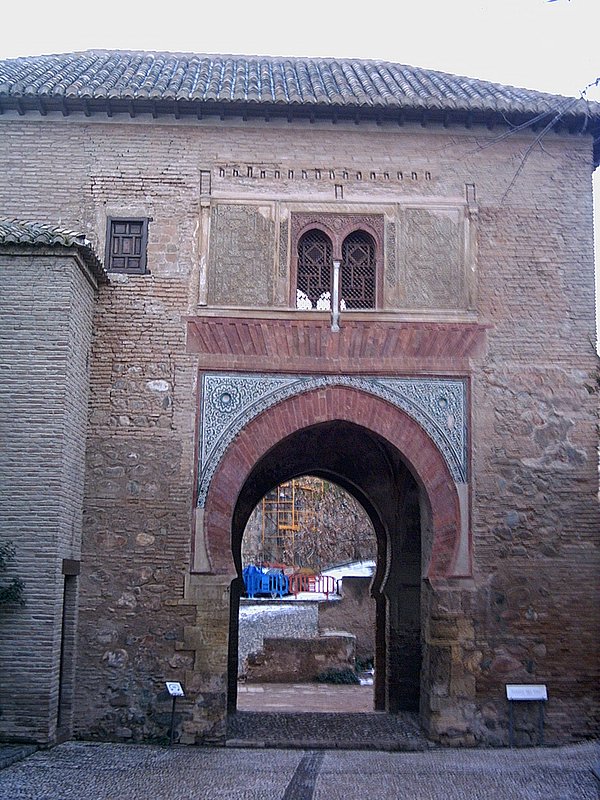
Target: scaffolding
(289, 513)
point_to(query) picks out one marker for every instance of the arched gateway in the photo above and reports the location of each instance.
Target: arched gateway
(372, 301)
(357, 434)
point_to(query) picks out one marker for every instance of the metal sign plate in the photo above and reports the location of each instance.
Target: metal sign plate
(175, 689)
(526, 691)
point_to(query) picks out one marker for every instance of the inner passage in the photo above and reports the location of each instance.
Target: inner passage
(307, 620)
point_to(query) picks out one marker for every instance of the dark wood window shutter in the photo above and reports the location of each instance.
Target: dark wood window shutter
(126, 244)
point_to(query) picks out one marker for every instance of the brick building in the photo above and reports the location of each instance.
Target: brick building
(371, 273)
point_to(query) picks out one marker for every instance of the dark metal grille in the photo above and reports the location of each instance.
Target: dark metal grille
(358, 271)
(314, 271)
(126, 245)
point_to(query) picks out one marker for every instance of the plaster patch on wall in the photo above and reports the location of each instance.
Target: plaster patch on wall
(158, 386)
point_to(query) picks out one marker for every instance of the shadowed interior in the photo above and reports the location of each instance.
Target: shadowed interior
(371, 470)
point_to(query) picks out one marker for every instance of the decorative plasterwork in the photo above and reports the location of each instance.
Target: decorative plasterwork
(338, 226)
(434, 257)
(391, 276)
(283, 247)
(229, 401)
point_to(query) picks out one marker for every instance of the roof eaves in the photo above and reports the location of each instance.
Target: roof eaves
(176, 83)
(39, 234)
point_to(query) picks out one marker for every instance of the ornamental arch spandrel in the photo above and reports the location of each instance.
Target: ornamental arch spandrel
(331, 404)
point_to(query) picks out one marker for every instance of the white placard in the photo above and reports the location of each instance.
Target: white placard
(175, 689)
(526, 691)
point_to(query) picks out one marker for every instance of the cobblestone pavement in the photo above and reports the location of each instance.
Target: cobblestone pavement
(10, 753)
(317, 730)
(86, 771)
(313, 715)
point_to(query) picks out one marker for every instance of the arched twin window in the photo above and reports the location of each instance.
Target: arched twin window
(315, 271)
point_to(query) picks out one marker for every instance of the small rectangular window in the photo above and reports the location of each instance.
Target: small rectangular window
(126, 242)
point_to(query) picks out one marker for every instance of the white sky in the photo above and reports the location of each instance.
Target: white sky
(550, 46)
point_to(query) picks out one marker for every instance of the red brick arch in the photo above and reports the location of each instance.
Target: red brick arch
(325, 405)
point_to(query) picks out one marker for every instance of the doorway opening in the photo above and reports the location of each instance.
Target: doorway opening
(375, 475)
(66, 677)
(307, 618)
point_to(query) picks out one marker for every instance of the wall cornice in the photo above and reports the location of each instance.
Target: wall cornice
(299, 344)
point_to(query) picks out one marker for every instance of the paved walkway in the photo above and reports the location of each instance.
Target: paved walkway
(84, 771)
(307, 731)
(299, 697)
(11, 753)
(319, 716)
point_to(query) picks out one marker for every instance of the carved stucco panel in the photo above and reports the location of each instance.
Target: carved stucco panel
(229, 401)
(433, 258)
(391, 265)
(284, 235)
(340, 224)
(242, 251)
(282, 281)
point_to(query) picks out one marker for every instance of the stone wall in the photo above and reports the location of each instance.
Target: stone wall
(138, 511)
(301, 660)
(354, 612)
(279, 620)
(520, 263)
(46, 306)
(535, 510)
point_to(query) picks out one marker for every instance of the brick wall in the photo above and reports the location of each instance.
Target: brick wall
(46, 307)
(531, 609)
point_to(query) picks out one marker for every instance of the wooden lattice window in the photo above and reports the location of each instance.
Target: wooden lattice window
(313, 288)
(320, 239)
(126, 241)
(358, 271)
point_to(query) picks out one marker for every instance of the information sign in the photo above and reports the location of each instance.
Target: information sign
(526, 691)
(175, 689)
(517, 693)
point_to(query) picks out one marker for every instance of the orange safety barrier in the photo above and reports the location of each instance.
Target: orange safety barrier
(316, 584)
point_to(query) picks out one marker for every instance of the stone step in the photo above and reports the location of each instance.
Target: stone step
(309, 731)
(11, 753)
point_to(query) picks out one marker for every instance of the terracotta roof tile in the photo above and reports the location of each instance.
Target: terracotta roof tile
(101, 80)
(261, 79)
(21, 232)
